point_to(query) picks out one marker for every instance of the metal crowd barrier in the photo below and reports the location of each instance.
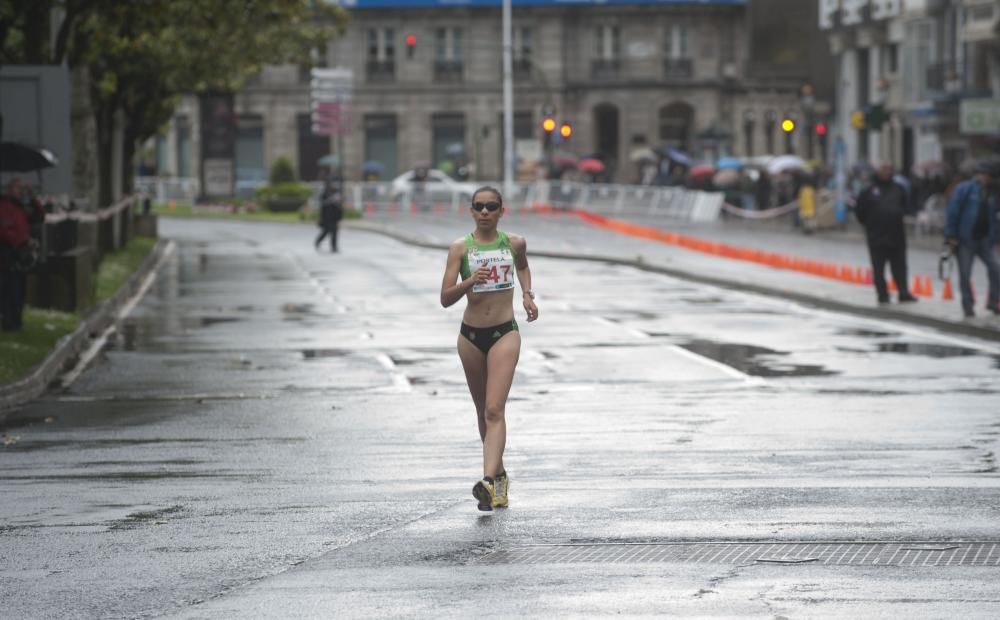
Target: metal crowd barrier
(382, 197)
(163, 189)
(667, 202)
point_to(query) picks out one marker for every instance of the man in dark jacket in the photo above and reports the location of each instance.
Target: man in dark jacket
(331, 210)
(971, 231)
(880, 210)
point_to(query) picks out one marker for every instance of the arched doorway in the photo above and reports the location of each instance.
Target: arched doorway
(676, 122)
(606, 134)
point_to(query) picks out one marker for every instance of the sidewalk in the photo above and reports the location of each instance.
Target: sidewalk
(645, 242)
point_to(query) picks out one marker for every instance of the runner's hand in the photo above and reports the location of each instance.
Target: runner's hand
(481, 275)
(530, 308)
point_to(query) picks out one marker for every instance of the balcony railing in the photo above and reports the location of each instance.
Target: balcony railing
(605, 69)
(381, 71)
(448, 70)
(678, 68)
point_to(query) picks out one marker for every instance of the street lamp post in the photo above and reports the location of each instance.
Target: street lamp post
(508, 102)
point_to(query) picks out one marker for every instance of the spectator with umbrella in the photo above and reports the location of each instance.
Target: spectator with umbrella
(20, 211)
(592, 167)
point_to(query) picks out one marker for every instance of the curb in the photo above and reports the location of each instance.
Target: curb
(70, 346)
(964, 329)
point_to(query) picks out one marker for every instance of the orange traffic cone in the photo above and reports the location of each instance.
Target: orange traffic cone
(928, 286)
(918, 287)
(947, 294)
(892, 285)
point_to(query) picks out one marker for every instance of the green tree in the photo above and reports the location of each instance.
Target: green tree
(142, 55)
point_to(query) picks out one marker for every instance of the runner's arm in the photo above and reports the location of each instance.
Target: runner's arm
(520, 247)
(450, 291)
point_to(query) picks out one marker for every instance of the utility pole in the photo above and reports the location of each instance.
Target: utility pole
(508, 103)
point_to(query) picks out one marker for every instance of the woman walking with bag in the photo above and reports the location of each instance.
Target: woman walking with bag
(489, 342)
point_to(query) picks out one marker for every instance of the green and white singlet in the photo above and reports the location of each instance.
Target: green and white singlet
(499, 255)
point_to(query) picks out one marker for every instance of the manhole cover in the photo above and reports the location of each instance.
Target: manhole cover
(845, 554)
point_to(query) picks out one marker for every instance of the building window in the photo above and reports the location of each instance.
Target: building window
(770, 126)
(448, 55)
(381, 65)
(890, 59)
(312, 147)
(250, 149)
(162, 156)
(524, 47)
(183, 127)
(676, 124)
(918, 59)
(677, 61)
(446, 130)
(380, 142)
(606, 64)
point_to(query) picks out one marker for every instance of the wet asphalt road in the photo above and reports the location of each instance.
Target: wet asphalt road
(276, 432)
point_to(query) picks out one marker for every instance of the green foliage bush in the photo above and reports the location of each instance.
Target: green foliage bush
(281, 197)
(282, 171)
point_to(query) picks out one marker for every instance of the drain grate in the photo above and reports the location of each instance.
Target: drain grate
(832, 554)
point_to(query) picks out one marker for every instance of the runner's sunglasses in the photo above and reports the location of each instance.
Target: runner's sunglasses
(489, 206)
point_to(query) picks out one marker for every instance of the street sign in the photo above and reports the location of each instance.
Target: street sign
(331, 93)
(979, 117)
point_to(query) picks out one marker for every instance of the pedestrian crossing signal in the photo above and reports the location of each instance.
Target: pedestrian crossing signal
(566, 130)
(788, 125)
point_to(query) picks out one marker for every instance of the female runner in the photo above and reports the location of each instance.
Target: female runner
(489, 343)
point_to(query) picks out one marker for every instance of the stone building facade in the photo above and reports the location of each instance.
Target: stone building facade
(931, 66)
(624, 75)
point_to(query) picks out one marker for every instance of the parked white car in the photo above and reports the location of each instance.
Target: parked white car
(437, 187)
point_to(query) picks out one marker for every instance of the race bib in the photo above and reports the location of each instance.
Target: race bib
(501, 264)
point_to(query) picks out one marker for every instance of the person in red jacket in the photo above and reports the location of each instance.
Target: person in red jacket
(18, 211)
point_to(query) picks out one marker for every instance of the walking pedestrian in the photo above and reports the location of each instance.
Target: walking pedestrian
(880, 209)
(331, 210)
(19, 252)
(489, 341)
(971, 231)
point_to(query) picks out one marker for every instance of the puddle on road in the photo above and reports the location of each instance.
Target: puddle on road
(927, 349)
(311, 354)
(752, 360)
(865, 333)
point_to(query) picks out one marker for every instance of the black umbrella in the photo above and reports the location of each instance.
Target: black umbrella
(16, 157)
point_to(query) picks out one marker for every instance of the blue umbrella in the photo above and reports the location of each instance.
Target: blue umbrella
(372, 167)
(679, 157)
(729, 163)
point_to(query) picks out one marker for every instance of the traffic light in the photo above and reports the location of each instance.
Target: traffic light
(565, 130)
(788, 126)
(411, 45)
(548, 126)
(875, 116)
(858, 119)
(821, 131)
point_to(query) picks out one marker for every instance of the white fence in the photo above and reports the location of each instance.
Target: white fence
(384, 197)
(675, 203)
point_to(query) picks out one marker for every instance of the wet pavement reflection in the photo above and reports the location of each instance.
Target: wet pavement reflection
(267, 409)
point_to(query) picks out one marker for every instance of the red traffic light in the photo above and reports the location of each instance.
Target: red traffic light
(549, 124)
(566, 130)
(411, 40)
(820, 129)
